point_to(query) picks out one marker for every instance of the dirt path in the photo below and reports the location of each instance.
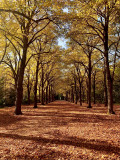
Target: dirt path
(60, 131)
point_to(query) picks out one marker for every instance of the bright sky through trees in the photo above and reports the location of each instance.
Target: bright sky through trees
(62, 42)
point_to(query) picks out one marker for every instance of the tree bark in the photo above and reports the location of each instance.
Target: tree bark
(110, 88)
(52, 93)
(28, 90)
(19, 93)
(42, 81)
(89, 82)
(75, 91)
(87, 90)
(83, 94)
(94, 87)
(105, 87)
(80, 95)
(69, 95)
(109, 78)
(47, 94)
(80, 91)
(72, 96)
(36, 83)
(39, 93)
(66, 95)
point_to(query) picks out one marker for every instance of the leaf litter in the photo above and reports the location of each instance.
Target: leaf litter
(60, 131)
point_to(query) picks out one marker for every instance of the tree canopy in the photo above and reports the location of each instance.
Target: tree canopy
(34, 68)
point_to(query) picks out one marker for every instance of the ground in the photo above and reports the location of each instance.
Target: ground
(60, 131)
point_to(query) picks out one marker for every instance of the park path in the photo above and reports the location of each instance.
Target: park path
(59, 130)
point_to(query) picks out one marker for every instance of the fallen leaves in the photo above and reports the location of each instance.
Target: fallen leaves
(60, 130)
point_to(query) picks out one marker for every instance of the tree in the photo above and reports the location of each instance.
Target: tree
(87, 44)
(29, 28)
(100, 20)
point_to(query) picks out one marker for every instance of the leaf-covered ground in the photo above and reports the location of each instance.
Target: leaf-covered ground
(60, 131)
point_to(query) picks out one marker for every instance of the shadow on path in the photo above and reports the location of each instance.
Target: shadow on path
(101, 146)
(7, 119)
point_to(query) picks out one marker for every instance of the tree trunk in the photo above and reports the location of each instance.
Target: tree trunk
(66, 95)
(94, 87)
(52, 93)
(42, 81)
(39, 93)
(19, 94)
(80, 91)
(83, 94)
(28, 90)
(87, 90)
(80, 94)
(75, 91)
(89, 82)
(16, 80)
(69, 96)
(47, 94)
(105, 87)
(110, 89)
(36, 83)
(109, 78)
(15, 87)
(72, 96)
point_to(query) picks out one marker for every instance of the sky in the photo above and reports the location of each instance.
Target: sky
(62, 42)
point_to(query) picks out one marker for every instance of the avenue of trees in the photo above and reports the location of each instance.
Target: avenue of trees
(34, 68)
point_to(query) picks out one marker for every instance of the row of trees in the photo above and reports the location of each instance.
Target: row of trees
(40, 77)
(94, 34)
(76, 84)
(29, 32)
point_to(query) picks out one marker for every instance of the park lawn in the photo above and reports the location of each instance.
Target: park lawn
(58, 131)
